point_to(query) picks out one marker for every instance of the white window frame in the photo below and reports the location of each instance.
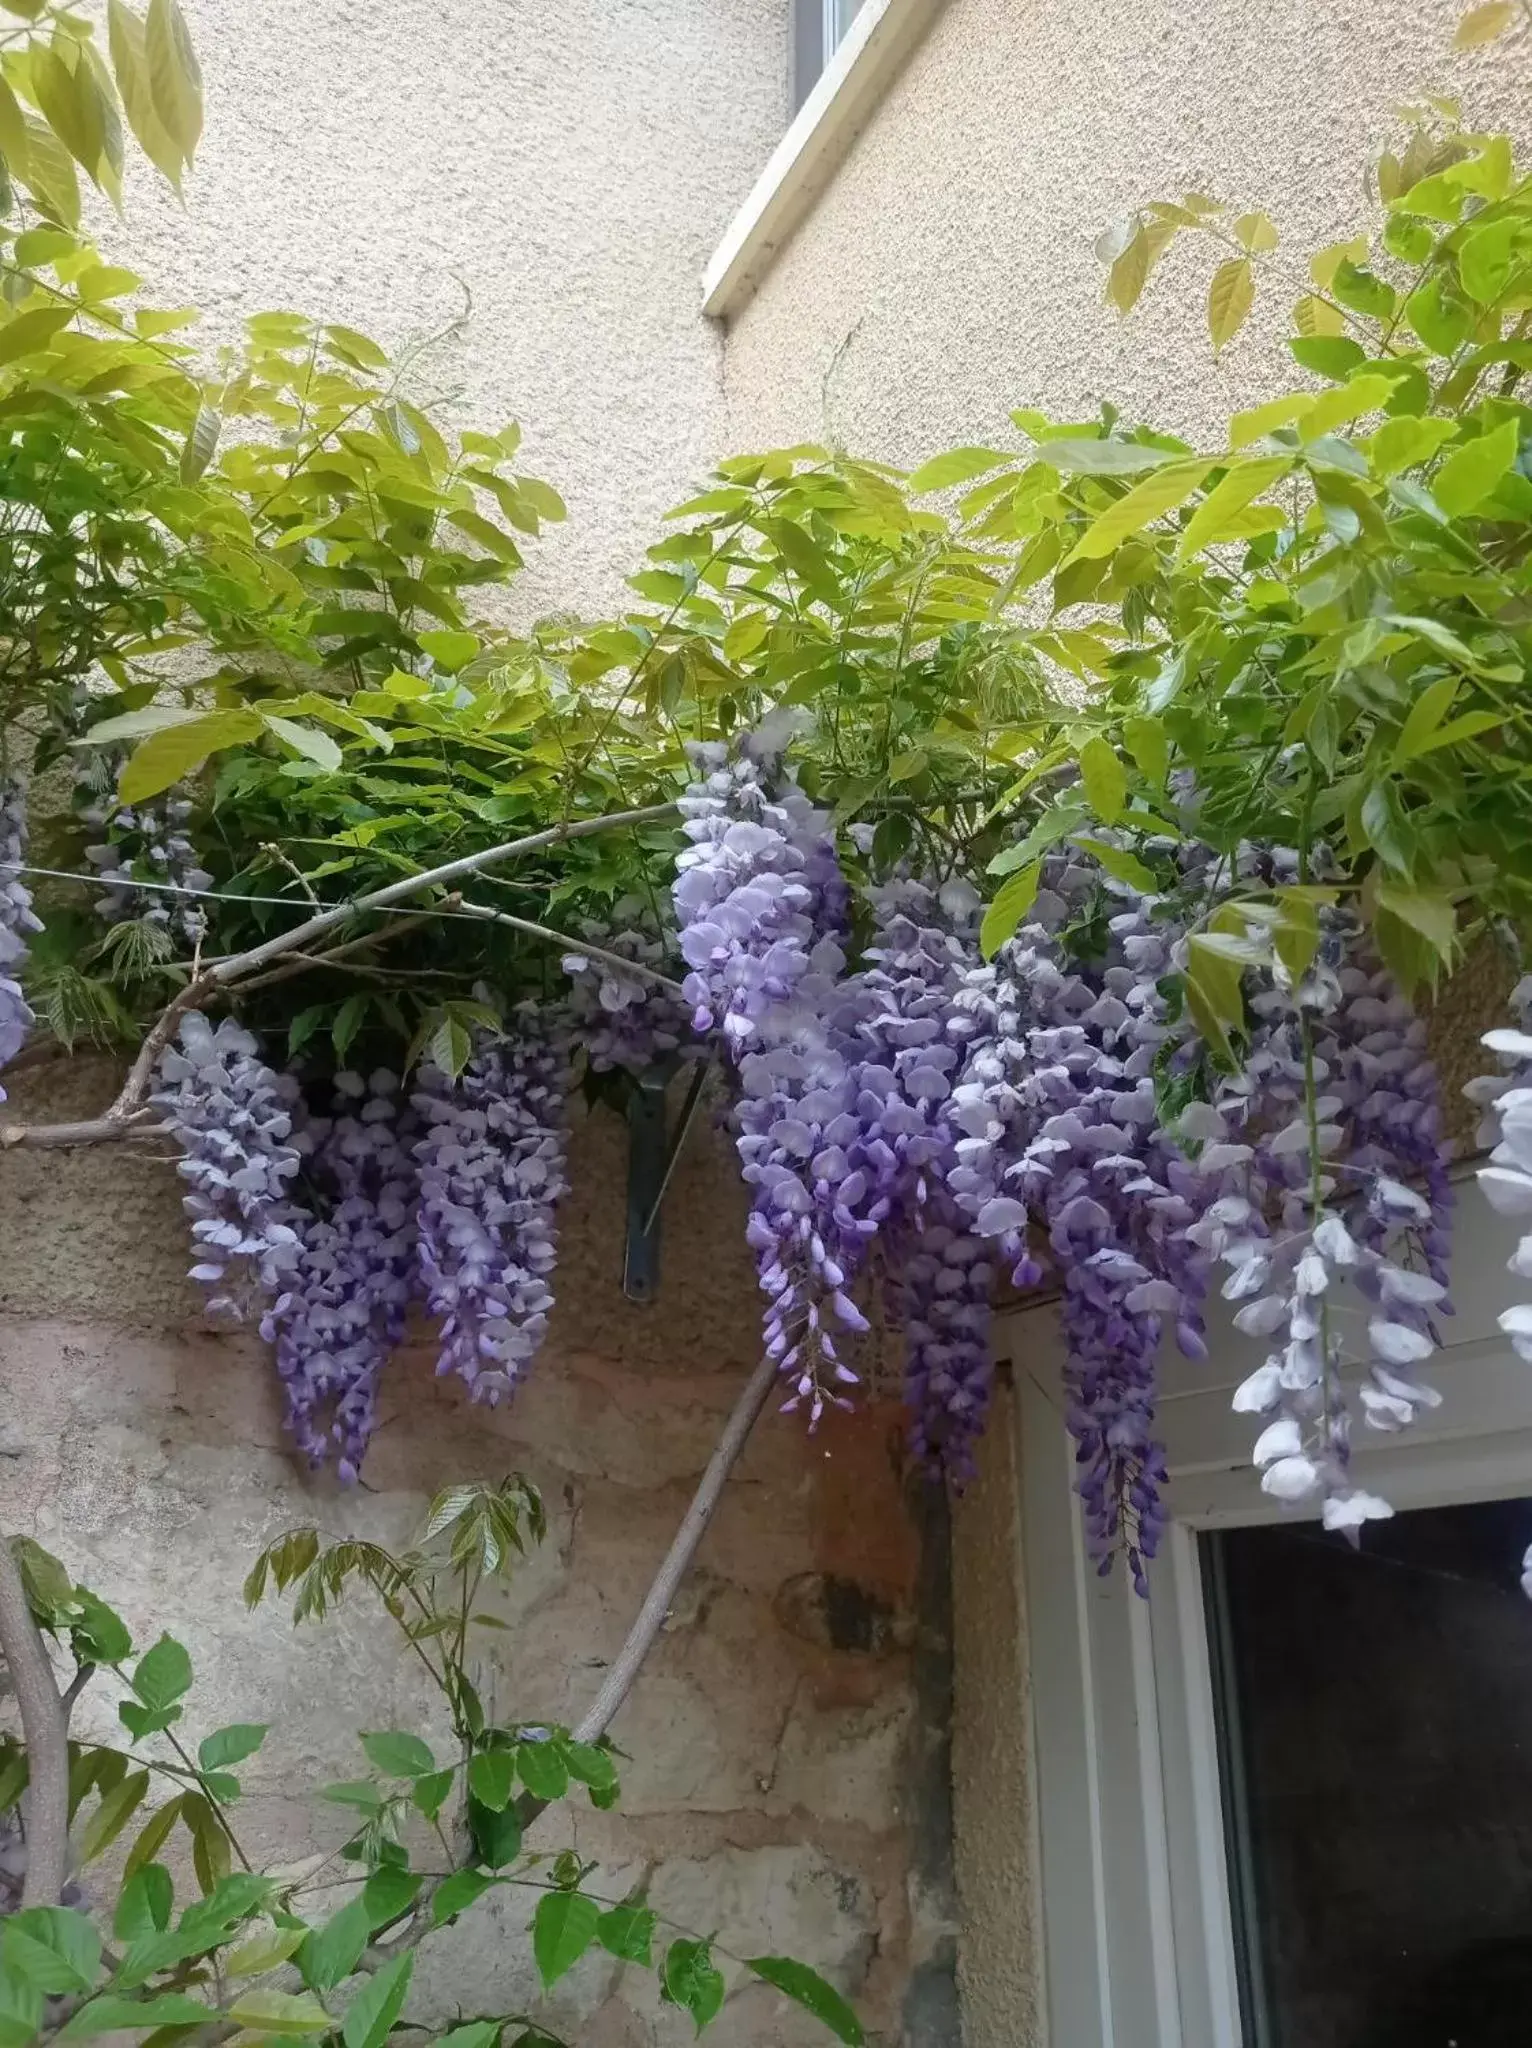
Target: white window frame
(839, 103)
(1138, 1933)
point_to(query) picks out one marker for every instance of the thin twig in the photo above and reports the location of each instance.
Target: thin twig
(301, 963)
(123, 1119)
(45, 1730)
(581, 946)
(75, 1687)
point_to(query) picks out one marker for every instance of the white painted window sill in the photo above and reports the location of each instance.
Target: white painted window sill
(803, 162)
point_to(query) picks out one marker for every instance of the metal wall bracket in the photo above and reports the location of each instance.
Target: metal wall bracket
(652, 1157)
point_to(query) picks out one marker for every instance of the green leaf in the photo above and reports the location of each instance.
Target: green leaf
(496, 1836)
(811, 1991)
(1483, 24)
(690, 1980)
(29, 333)
(491, 1777)
(390, 1891)
(21, 2010)
(1230, 297)
(1334, 356)
(957, 466)
(477, 2034)
(284, 2013)
(50, 174)
(1239, 487)
(458, 1892)
(1385, 828)
(1102, 457)
(114, 2015)
(450, 649)
(627, 1932)
(231, 1745)
(317, 747)
(398, 1754)
(430, 1793)
(112, 1815)
(329, 1955)
(1407, 441)
(163, 1674)
(253, 1958)
(563, 1928)
(152, 1837)
(98, 1635)
(358, 1792)
(543, 1771)
(1430, 912)
(175, 81)
(592, 1766)
(1103, 778)
(170, 756)
(130, 62)
(1470, 474)
(1125, 866)
(1425, 715)
(371, 2014)
(144, 1904)
(1146, 502)
(53, 1948)
(1013, 900)
(1256, 233)
(200, 443)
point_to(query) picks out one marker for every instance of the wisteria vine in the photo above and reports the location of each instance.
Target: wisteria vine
(910, 1119)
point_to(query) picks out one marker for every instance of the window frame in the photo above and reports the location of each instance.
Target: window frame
(1138, 1934)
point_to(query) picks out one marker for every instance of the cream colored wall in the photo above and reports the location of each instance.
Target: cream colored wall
(572, 162)
(945, 276)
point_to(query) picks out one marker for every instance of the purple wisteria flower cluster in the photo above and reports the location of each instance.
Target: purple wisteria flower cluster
(1505, 1099)
(1336, 1113)
(146, 844)
(762, 906)
(17, 922)
(491, 1164)
(939, 1272)
(625, 1021)
(1056, 1109)
(342, 1308)
(447, 1195)
(234, 1120)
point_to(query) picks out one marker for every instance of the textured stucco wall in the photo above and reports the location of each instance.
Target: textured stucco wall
(947, 273)
(783, 1731)
(945, 276)
(572, 162)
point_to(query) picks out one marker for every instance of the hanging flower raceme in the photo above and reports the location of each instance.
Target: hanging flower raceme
(1506, 1100)
(1056, 1110)
(17, 922)
(760, 901)
(491, 1164)
(942, 1269)
(233, 1118)
(342, 1309)
(1337, 1105)
(148, 845)
(626, 1021)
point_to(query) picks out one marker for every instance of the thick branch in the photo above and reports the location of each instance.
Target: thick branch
(240, 964)
(45, 1730)
(660, 1598)
(124, 1118)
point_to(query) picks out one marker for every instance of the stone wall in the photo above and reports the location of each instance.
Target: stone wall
(788, 1739)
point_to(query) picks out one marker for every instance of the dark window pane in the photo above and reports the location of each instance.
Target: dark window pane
(1375, 1714)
